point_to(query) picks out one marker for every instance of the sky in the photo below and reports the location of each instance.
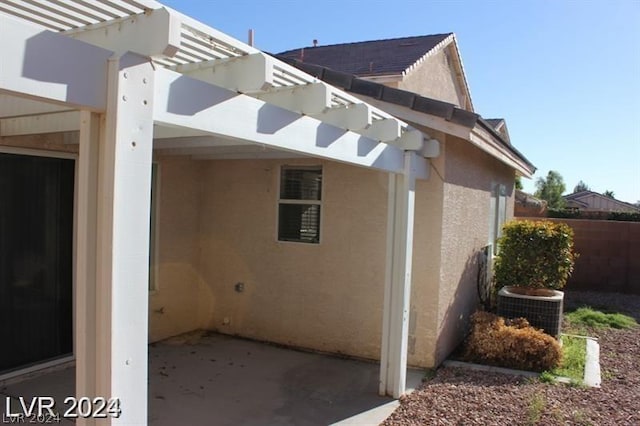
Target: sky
(565, 75)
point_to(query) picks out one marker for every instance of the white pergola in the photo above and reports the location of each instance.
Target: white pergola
(131, 75)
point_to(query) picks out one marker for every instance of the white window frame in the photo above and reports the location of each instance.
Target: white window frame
(282, 201)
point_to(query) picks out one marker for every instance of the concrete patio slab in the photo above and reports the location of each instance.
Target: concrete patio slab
(214, 379)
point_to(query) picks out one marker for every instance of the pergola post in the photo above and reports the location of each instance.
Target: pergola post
(86, 232)
(397, 294)
(124, 185)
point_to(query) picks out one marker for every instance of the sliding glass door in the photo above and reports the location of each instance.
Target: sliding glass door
(36, 256)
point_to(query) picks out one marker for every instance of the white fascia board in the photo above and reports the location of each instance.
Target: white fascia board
(153, 34)
(383, 79)
(67, 121)
(488, 143)
(420, 118)
(245, 74)
(45, 65)
(477, 136)
(186, 102)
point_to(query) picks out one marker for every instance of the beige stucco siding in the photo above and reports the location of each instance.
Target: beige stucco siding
(470, 175)
(435, 78)
(181, 302)
(325, 296)
(426, 268)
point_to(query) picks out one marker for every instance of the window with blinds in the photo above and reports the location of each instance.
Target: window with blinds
(299, 204)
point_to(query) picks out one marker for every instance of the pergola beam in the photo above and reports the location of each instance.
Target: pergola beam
(182, 101)
(355, 117)
(310, 99)
(155, 33)
(50, 66)
(245, 74)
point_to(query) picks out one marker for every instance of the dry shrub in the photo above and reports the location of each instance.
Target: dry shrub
(510, 343)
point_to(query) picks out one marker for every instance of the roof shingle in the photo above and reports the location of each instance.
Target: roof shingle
(369, 58)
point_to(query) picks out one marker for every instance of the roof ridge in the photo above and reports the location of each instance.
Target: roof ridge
(364, 42)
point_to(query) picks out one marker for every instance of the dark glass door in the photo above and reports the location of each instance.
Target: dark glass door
(36, 257)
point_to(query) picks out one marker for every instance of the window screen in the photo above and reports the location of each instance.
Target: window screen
(300, 204)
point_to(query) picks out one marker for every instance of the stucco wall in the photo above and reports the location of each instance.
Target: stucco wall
(327, 296)
(181, 302)
(427, 255)
(435, 78)
(469, 175)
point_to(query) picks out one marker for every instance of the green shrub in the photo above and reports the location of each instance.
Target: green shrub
(625, 216)
(563, 213)
(511, 344)
(567, 213)
(535, 254)
(592, 318)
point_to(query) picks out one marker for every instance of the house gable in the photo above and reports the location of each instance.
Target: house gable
(593, 201)
(427, 65)
(436, 77)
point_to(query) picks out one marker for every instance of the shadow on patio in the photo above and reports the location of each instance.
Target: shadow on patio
(220, 380)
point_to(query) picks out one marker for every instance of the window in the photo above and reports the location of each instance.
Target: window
(497, 214)
(299, 204)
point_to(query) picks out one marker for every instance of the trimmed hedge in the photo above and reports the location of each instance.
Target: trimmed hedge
(595, 215)
(534, 254)
(510, 343)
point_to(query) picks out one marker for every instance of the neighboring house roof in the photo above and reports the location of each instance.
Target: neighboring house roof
(595, 201)
(373, 59)
(413, 101)
(366, 58)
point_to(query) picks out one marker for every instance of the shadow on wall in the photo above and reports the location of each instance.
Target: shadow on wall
(456, 320)
(49, 57)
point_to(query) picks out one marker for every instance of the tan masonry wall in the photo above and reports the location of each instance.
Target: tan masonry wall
(609, 258)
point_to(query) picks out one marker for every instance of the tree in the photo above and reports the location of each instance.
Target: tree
(609, 194)
(551, 189)
(581, 186)
(519, 183)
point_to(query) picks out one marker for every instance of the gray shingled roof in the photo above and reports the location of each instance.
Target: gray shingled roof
(449, 112)
(367, 58)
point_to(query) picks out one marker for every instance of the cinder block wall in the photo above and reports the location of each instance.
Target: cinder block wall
(609, 255)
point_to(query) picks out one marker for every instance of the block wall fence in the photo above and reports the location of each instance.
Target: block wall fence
(609, 255)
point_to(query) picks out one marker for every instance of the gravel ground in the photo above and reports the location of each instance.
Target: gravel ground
(464, 397)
